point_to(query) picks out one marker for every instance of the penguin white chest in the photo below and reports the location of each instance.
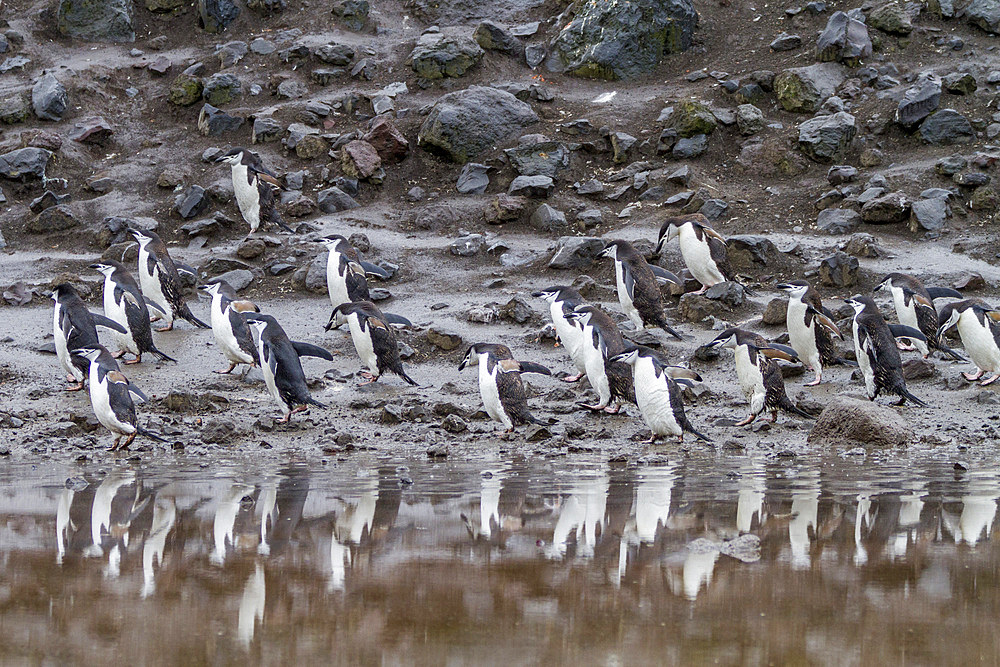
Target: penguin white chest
(247, 196)
(62, 349)
(490, 393)
(652, 395)
(864, 364)
(222, 331)
(363, 344)
(265, 369)
(100, 401)
(115, 310)
(336, 282)
(625, 299)
(907, 315)
(801, 336)
(594, 367)
(698, 257)
(750, 377)
(570, 335)
(979, 343)
(150, 284)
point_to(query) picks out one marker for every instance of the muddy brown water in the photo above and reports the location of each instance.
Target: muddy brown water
(686, 559)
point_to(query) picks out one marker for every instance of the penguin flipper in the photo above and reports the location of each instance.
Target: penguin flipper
(374, 270)
(310, 350)
(952, 354)
(108, 323)
(663, 276)
(532, 367)
(401, 373)
(184, 268)
(155, 306)
(787, 405)
(903, 331)
(943, 293)
(135, 391)
(397, 320)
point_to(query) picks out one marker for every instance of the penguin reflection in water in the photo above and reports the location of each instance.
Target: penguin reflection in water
(758, 373)
(111, 397)
(500, 384)
(280, 365)
(658, 394)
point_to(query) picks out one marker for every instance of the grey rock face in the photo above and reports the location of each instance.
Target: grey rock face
(919, 101)
(576, 252)
(824, 137)
(947, 127)
(96, 20)
(49, 98)
(844, 39)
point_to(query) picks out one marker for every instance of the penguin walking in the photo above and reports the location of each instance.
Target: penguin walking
(658, 394)
(74, 327)
(601, 340)
(810, 327)
(111, 397)
(758, 373)
(124, 303)
(915, 308)
(500, 384)
(280, 365)
(160, 281)
(562, 300)
(347, 276)
(875, 347)
(703, 248)
(373, 339)
(638, 289)
(979, 327)
(254, 186)
(229, 326)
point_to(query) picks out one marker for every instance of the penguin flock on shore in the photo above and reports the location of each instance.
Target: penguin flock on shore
(618, 371)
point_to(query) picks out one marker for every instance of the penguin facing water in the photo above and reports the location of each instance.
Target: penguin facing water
(229, 325)
(373, 339)
(638, 289)
(875, 347)
(500, 384)
(254, 186)
(703, 249)
(810, 328)
(125, 304)
(915, 308)
(160, 280)
(562, 300)
(601, 340)
(74, 327)
(979, 327)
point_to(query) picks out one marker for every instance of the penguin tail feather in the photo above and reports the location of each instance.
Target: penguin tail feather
(313, 401)
(902, 391)
(788, 406)
(670, 330)
(278, 220)
(149, 434)
(951, 354)
(408, 379)
(690, 429)
(540, 422)
(161, 356)
(189, 316)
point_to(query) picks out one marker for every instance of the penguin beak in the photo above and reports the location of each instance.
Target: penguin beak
(94, 266)
(784, 287)
(465, 362)
(538, 295)
(659, 244)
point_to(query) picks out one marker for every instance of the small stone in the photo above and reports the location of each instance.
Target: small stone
(443, 339)
(191, 202)
(687, 148)
(49, 98)
(749, 119)
(786, 42)
(334, 200)
(213, 122)
(576, 252)
(775, 312)
(474, 179)
(928, 214)
(250, 249)
(960, 83)
(886, 209)
(547, 219)
(52, 219)
(840, 270)
(840, 174)
(531, 186)
(947, 127)
(467, 246)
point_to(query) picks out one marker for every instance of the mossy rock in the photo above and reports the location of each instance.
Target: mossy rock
(185, 90)
(691, 118)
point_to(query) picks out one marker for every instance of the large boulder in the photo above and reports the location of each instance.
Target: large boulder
(465, 123)
(439, 55)
(216, 15)
(985, 14)
(691, 118)
(849, 420)
(919, 101)
(887, 209)
(947, 127)
(804, 89)
(24, 164)
(622, 40)
(546, 158)
(49, 98)
(96, 20)
(844, 39)
(576, 252)
(824, 137)
(891, 18)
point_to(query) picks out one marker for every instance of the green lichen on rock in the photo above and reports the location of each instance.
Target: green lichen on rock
(438, 55)
(691, 118)
(185, 90)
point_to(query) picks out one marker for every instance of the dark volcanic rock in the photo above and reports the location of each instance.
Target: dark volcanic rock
(622, 40)
(24, 163)
(891, 18)
(545, 158)
(185, 90)
(389, 142)
(887, 209)
(49, 98)
(216, 15)
(353, 14)
(844, 39)
(852, 420)
(919, 101)
(221, 88)
(464, 123)
(334, 200)
(52, 219)
(839, 270)
(838, 220)
(786, 42)
(213, 122)
(547, 219)
(96, 20)
(439, 55)
(985, 14)
(493, 37)
(531, 186)
(928, 214)
(576, 252)
(335, 54)
(804, 89)
(824, 137)
(474, 179)
(191, 202)
(947, 127)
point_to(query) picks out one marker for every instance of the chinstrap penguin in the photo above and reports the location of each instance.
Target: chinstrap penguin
(562, 300)
(347, 275)
(875, 348)
(229, 326)
(160, 281)
(915, 308)
(125, 304)
(638, 289)
(704, 249)
(979, 328)
(810, 327)
(658, 394)
(74, 327)
(254, 185)
(500, 384)
(373, 339)
(601, 340)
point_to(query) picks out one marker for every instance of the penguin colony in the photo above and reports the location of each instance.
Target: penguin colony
(618, 371)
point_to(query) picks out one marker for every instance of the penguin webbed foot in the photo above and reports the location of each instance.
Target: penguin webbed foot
(75, 387)
(573, 378)
(774, 417)
(989, 381)
(595, 408)
(613, 410)
(132, 362)
(749, 419)
(228, 370)
(119, 354)
(972, 377)
(169, 327)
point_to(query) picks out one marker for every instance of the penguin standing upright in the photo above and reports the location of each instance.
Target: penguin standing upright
(124, 303)
(160, 281)
(979, 327)
(601, 340)
(875, 347)
(280, 365)
(638, 290)
(562, 300)
(759, 375)
(373, 339)
(74, 327)
(810, 327)
(500, 384)
(347, 275)
(703, 248)
(253, 185)
(229, 325)
(658, 395)
(914, 305)
(111, 397)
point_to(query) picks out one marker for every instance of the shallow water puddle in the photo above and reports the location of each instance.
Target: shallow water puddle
(738, 560)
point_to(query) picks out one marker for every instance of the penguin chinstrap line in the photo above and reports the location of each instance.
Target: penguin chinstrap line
(562, 300)
(638, 289)
(254, 186)
(758, 373)
(111, 397)
(875, 347)
(229, 326)
(161, 282)
(74, 327)
(125, 304)
(280, 365)
(811, 328)
(500, 385)
(658, 394)
(915, 308)
(347, 275)
(979, 328)
(703, 249)
(373, 338)
(612, 380)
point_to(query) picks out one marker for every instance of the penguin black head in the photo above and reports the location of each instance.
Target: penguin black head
(795, 288)
(63, 291)
(669, 230)
(472, 354)
(143, 238)
(332, 240)
(89, 353)
(860, 303)
(952, 312)
(216, 286)
(733, 337)
(581, 315)
(615, 249)
(106, 266)
(629, 356)
(233, 156)
(558, 293)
